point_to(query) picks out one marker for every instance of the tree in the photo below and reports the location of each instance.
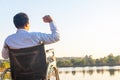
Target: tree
(111, 60)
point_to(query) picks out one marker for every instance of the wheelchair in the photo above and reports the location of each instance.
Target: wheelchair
(33, 63)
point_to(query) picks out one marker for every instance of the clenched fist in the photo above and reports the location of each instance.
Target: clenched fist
(47, 19)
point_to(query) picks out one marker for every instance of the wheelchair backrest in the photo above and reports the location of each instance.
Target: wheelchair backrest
(28, 63)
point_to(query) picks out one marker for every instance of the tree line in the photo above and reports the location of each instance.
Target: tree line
(87, 60)
(109, 60)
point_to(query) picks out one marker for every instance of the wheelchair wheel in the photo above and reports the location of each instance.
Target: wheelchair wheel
(6, 75)
(52, 74)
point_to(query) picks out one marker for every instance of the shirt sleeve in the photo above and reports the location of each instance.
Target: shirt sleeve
(53, 37)
(5, 52)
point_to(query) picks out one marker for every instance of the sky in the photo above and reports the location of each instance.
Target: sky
(87, 27)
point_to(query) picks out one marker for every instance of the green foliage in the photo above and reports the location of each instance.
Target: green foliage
(110, 60)
(62, 63)
(4, 64)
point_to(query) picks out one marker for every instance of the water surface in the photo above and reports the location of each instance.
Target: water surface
(90, 73)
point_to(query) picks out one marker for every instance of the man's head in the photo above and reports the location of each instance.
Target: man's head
(21, 21)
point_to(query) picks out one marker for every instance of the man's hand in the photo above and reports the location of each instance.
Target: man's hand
(47, 19)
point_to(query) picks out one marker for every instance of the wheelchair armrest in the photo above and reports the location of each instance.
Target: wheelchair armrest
(50, 56)
(50, 51)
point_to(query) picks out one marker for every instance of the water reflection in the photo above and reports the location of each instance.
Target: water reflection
(73, 72)
(112, 72)
(100, 71)
(90, 70)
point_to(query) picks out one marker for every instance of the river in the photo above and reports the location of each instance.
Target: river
(90, 73)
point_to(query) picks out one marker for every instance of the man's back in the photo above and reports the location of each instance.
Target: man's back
(21, 39)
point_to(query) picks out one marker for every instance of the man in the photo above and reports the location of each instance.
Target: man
(23, 39)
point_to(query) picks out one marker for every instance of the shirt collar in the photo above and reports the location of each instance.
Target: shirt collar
(21, 31)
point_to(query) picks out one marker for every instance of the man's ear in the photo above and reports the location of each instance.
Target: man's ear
(27, 26)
